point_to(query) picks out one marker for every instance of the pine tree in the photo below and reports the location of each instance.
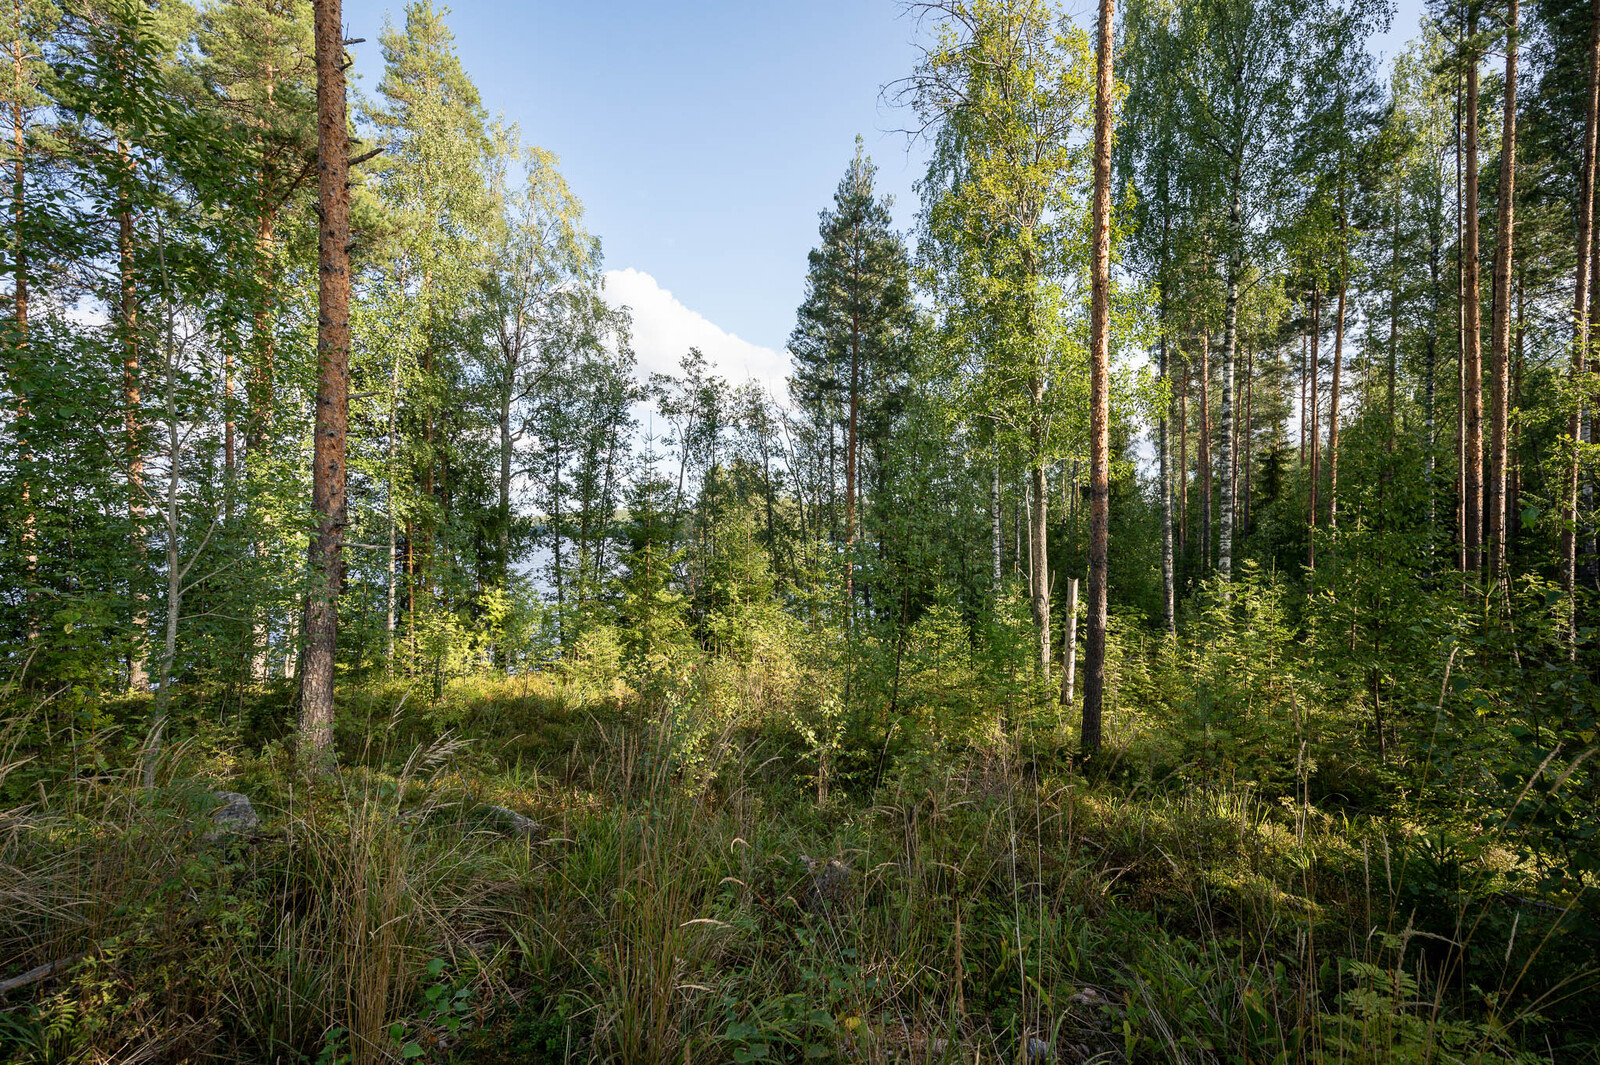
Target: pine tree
(328, 501)
(850, 344)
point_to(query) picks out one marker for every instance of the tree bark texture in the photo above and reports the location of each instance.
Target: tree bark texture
(333, 385)
(1094, 681)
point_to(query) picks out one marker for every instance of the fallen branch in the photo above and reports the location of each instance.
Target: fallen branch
(43, 972)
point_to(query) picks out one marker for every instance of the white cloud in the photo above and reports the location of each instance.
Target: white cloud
(664, 330)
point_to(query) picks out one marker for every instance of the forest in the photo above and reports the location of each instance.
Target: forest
(1159, 621)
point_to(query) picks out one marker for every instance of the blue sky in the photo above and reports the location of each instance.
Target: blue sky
(703, 138)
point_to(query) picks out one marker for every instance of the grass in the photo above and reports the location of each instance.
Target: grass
(690, 899)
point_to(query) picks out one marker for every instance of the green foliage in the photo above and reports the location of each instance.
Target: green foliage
(796, 786)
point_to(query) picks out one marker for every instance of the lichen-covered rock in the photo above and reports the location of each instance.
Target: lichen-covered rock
(234, 815)
(514, 823)
(831, 882)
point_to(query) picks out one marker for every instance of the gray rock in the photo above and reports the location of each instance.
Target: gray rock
(234, 815)
(831, 881)
(514, 823)
(1039, 1050)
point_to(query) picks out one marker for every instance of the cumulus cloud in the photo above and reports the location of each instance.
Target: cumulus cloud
(664, 330)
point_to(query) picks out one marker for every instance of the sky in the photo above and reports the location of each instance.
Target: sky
(703, 139)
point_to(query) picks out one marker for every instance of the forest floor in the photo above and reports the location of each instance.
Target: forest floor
(508, 872)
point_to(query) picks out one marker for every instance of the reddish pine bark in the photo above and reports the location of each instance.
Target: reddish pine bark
(333, 387)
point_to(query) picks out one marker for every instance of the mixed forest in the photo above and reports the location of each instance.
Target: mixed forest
(1159, 621)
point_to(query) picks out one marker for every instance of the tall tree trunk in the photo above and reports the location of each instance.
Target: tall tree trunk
(1580, 328)
(1203, 450)
(1514, 421)
(259, 384)
(503, 502)
(1472, 443)
(1333, 410)
(1183, 454)
(229, 449)
(333, 386)
(392, 473)
(132, 417)
(19, 306)
(1461, 326)
(1164, 469)
(1094, 681)
(1069, 643)
(1589, 551)
(994, 511)
(1037, 497)
(1313, 372)
(1500, 342)
(1394, 328)
(1247, 434)
(850, 471)
(1430, 358)
(1039, 565)
(175, 572)
(1230, 341)
(260, 390)
(1305, 381)
(558, 570)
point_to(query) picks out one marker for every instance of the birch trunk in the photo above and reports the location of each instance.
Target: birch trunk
(1230, 340)
(1069, 643)
(1099, 392)
(1580, 329)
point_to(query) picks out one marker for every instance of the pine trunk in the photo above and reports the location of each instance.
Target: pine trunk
(333, 386)
(1203, 451)
(1500, 342)
(1472, 364)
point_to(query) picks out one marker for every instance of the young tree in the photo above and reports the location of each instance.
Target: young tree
(1148, 156)
(1240, 79)
(1005, 87)
(438, 233)
(541, 294)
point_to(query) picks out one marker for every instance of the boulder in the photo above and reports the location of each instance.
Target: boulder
(831, 881)
(234, 815)
(513, 823)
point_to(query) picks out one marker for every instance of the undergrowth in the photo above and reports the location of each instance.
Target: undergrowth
(715, 879)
